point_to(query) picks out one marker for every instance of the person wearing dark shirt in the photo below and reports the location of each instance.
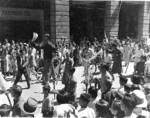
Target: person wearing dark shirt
(48, 47)
(71, 85)
(22, 63)
(140, 66)
(117, 60)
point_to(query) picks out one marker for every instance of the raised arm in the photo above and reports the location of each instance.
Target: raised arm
(38, 45)
(34, 44)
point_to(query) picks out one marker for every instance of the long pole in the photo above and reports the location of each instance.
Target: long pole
(8, 99)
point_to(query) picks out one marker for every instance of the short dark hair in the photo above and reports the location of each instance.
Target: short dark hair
(128, 88)
(103, 108)
(123, 80)
(136, 79)
(63, 97)
(93, 92)
(85, 97)
(129, 101)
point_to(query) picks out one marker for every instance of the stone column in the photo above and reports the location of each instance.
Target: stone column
(112, 18)
(144, 20)
(59, 19)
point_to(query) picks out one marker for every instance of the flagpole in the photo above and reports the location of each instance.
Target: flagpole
(8, 99)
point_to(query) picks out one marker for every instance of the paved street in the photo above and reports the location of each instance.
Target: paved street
(36, 87)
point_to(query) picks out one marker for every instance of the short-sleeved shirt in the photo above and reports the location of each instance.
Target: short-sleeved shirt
(86, 113)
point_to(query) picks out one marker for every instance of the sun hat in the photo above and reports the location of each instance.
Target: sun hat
(140, 98)
(29, 107)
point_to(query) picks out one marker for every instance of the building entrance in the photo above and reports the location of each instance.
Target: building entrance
(87, 20)
(128, 20)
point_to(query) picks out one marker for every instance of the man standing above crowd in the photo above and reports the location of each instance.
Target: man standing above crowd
(117, 60)
(48, 47)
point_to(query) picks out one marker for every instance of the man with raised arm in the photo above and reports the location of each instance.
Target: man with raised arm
(48, 47)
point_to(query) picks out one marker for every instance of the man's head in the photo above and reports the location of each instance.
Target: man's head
(123, 80)
(84, 100)
(104, 67)
(93, 92)
(136, 79)
(128, 103)
(102, 108)
(16, 91)
(46, 37)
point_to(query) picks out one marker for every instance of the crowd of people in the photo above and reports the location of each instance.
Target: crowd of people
(59, 61)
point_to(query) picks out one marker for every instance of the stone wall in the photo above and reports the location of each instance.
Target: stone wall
(144, 20)
(60, 26)
(112, 18)
(59, 19)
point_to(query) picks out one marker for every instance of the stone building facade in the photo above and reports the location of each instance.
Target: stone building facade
(60, 17)
(56, 15)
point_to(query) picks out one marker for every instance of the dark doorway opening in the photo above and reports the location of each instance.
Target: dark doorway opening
(128, 20)
(87, 20)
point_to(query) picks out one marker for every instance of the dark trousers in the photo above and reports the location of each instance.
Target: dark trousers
(19, 74)
(47, 72)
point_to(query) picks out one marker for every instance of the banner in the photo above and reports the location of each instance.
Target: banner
(20, 14)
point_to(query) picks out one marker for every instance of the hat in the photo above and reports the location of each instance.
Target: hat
(30, 106)
(5, 109)
(140, 98)
(85, 97)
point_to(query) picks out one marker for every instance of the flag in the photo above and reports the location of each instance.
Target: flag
(35, 36)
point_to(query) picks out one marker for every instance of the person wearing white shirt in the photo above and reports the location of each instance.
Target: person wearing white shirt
(84, 111)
